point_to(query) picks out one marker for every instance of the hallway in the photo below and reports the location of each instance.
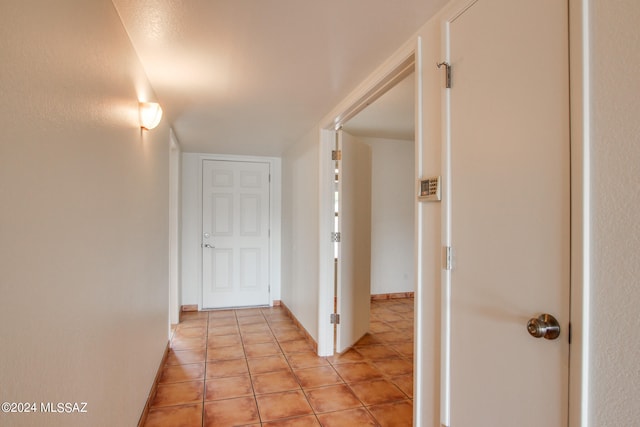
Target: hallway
(253, 367)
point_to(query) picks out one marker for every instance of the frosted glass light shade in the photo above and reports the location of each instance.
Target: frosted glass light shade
(150, 115)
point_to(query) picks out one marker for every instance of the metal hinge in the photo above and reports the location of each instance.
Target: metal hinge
(447, 68)
(336, 155)
(447, 258)
(335, 319)
(335, 237)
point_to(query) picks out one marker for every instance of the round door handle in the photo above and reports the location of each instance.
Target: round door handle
(208, 246)
(544, 326)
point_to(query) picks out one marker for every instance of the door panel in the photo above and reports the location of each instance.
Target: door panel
(222, 219)
(354, 253)
(509, 186)
(250, 211)
(235, 225)
(222, 260)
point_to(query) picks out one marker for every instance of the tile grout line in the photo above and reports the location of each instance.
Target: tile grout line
(291, 368)
(246, 358)
(204, 380)
(292, 371)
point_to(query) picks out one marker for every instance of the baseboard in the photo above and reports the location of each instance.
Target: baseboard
(154, 387)
(306, 334)
(190, 307)
(396, 295)
(277, 303)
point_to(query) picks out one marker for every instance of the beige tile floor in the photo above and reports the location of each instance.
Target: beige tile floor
(253, 367)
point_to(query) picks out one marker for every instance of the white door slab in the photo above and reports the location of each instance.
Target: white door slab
(235, 234)
(354, 253)
(509, 212)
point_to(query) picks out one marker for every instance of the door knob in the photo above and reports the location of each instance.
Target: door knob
(545, 326)
(208, 246)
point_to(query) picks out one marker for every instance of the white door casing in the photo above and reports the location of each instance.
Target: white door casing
(508, 213)
(174, 230)
(235, 233)
(354, 250)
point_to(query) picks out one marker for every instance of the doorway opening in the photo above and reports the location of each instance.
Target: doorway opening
(374, 209)
(387, 126)
(404, 62)
(339, 298)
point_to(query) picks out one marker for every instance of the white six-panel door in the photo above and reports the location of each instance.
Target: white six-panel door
(509, 212)
(235, 234)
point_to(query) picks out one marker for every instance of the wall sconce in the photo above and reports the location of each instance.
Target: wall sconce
(150, 115)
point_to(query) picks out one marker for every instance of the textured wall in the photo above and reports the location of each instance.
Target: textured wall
(615, 256)
(83, 223)
(392, 215)
(300, 207)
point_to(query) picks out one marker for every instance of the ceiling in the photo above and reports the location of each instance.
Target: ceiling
(253, 76)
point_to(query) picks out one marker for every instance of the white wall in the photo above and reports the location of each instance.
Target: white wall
(615, 227)
(84, 217)
(300, 218)
(392, 215)
(191, 227)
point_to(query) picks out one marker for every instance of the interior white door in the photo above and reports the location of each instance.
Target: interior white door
(354, 250)
(509, 212)
(235, 234)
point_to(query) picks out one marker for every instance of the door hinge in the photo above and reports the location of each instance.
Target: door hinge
(335, 237)
(447, 68)
(336, 155)
(447, 258)
(335, 319)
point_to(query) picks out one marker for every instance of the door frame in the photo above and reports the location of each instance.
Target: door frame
(405, 60)
(275, 213)
(175, 172)
(579, 105)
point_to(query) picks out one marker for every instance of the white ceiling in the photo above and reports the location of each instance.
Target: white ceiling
(253, 76)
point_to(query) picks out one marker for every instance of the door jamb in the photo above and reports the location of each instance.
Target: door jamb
(579, 99)
(174, 230)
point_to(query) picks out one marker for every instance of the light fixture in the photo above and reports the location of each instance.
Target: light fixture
(150, 115)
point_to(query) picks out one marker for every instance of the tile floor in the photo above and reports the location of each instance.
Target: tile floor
(253, 367)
